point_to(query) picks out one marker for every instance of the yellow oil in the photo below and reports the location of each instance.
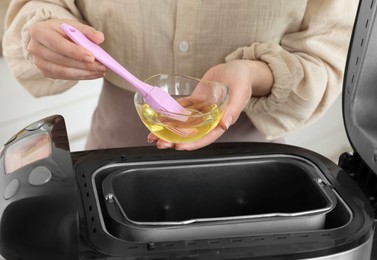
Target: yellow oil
(204, 117)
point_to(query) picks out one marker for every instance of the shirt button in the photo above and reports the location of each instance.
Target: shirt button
(184, 46)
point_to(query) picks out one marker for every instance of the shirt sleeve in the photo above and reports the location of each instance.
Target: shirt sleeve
(21, 15)
(308, 67)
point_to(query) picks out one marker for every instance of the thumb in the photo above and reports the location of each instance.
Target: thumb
(94, 35)
(90, 32)
(226, 121)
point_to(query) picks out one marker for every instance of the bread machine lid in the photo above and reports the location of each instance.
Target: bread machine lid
(360, 85)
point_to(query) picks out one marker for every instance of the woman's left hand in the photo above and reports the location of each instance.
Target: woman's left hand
(244, 79)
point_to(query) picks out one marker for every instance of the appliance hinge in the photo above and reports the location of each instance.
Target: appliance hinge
(361, 174)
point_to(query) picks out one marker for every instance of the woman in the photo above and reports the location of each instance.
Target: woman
(283, 60)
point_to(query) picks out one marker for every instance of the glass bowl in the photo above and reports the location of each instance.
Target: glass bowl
(205, 100)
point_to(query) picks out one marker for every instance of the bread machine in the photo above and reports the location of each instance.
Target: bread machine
(225, 201)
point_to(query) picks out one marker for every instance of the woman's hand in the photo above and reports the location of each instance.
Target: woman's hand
(245, 78)
(58, 57)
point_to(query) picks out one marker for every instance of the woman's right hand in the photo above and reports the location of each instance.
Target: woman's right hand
(57, 57)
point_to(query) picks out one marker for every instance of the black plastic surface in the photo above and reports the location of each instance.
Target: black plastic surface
(40, 222)
(341, 229)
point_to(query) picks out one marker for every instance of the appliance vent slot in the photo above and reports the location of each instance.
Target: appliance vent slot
(90, 210)
(237, 242)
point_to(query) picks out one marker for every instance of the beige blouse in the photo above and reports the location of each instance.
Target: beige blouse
(304, 42)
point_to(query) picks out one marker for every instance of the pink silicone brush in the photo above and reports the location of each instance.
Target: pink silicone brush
(155, 97)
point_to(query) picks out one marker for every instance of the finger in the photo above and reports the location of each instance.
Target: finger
(161, 144)
(208, 139)
(90, 32)
(69, 49)
(45, 34)
(226, 121)
(55, 71)
(53, 57)
(151, 138)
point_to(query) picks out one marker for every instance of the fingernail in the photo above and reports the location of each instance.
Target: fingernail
(151, 141)
(88, 58)
(165, 146)
(228, 122)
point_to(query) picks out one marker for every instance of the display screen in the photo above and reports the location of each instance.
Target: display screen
(27, 150)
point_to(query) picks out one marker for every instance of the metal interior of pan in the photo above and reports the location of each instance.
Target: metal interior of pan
(217, 191)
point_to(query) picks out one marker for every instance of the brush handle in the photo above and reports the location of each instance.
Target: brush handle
(103, 57)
